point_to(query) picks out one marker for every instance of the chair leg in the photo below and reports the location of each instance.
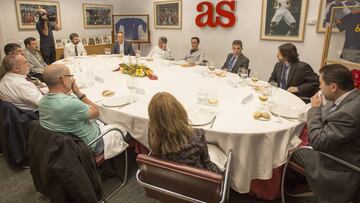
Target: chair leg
(283, 182)
(124, 179)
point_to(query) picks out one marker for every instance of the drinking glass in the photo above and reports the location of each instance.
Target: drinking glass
(243, 73)
(131, 84)
(254, 76)
(264, 95)
(138, 53)
(273, 90)
(202, 96)
(107, 51)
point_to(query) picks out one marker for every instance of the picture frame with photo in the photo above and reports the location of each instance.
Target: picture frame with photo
(97, 15)
(168, 14)
(84, 41)
(283, 20)
(325, 10)
(98, 40)
(134, 27)
(26, 12)
(105, 40)
(91, 41)
(59, 44)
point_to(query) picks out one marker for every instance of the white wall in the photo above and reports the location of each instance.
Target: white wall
(71, 18)
(217, 42)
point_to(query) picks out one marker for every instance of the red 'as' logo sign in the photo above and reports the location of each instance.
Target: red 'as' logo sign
(206, 10)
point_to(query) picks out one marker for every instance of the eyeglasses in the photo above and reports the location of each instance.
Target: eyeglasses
(66, 75)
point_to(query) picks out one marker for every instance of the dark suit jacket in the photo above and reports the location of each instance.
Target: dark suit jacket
(128, 49)
(301, 75)
(241, 61)
(338, 134)
(62, 166)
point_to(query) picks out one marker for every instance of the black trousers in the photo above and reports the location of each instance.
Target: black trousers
(48, 54)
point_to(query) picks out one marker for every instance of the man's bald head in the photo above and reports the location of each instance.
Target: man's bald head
(53, 73)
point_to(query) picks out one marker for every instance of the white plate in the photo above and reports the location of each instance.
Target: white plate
(285, 110)
(116, 101)
(259, 83)
(201, 116)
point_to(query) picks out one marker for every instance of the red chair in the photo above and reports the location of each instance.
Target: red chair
(300, 169)
(172, 182)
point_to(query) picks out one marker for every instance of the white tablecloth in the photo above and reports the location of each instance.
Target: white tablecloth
(258, 146)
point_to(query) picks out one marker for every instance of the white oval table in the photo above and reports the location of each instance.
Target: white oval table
(258, 146)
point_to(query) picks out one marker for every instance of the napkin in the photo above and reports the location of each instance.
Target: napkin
(114, 143)
(247, 99)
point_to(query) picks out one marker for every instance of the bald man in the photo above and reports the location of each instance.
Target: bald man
(66, 109)
(15, 88)
(10, 49)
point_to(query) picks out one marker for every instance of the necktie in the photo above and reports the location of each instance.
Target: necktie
(333, 108)
(283, 79)
(76, 51)
(231, 64)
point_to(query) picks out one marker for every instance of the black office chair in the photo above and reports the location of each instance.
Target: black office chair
(14, 125)
(63, 166)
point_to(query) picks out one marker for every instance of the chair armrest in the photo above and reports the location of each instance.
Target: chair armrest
(340, 161)
(225, 189)
(106, 132)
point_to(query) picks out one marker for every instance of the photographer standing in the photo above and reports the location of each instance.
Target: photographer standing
(44, 26)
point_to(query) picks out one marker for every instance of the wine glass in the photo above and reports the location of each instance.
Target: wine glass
(138, 53)
(264, 95)
(131, 84)
(254, 76)
(107, 51)
(273, 90)
(202, 96)
(244, 73)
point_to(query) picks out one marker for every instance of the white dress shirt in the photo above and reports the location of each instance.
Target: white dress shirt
(69, 49)
(159, 53)
(22, 93)
(197, 56)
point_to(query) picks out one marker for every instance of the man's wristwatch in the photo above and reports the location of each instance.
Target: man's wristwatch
(82, 96)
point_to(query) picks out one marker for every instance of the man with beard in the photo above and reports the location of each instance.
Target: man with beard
(75, 47)
(292, 74)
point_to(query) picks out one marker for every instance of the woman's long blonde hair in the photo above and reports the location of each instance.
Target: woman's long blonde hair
(169, 128)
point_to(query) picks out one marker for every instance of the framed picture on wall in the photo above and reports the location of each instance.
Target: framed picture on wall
(283, 20)
(134, 27)
(168, 14)
(325, 10)
(97, 15)
(27, 15)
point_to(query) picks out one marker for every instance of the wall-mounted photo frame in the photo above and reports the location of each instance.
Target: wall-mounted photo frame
(325, 10)
(283, 20)
(91, 41)
(134, 27)
(168, 14)
(27, 12)
(97, 15)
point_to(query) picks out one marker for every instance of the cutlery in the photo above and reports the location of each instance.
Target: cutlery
(282, 117)
(130, 102)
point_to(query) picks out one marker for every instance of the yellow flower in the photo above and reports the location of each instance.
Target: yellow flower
(139, 72)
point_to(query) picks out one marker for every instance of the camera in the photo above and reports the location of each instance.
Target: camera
(49, 17)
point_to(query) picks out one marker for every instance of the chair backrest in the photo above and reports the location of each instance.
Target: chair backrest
(62, 166)
(172, 182)
(13, 133)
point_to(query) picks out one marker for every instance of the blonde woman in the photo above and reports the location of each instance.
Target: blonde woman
(172, 138)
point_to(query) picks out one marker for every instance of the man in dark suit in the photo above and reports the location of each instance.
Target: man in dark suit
(122, 46)
(293, 75)
(334, 128)
(236, 60)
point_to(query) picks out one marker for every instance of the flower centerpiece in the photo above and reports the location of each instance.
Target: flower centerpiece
(136, 70)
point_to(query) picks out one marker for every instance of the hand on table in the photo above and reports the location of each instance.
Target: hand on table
(293, 89)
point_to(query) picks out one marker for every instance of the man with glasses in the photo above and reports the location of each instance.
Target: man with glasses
(15, 88)
(65, 109)
(195, 55)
